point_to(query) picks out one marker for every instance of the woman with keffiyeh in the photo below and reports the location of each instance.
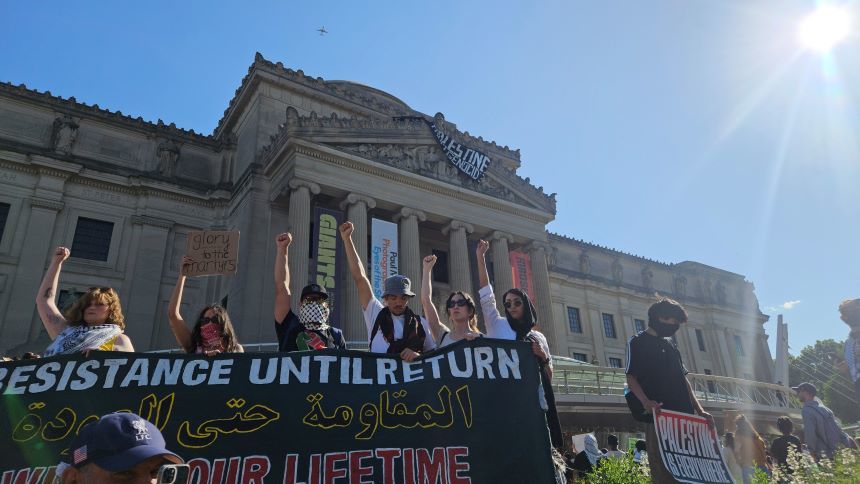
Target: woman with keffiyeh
(518, 324)
(93, 322)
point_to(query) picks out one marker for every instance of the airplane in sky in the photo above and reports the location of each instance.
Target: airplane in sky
(322, 30)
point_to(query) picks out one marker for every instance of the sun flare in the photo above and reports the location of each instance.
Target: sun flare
(824, 28)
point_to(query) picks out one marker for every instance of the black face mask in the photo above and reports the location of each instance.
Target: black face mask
(664, 330)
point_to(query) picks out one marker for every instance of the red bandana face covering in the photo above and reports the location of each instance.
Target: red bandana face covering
(210, 336)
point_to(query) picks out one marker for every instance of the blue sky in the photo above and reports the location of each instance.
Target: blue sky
(677, 130)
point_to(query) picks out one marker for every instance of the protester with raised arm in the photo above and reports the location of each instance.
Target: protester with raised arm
(392, 328)
(93, 322)
(518, 324)
(459, 305)
(213, 331)
(310, 329)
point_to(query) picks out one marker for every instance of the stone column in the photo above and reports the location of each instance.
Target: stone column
(410, 251)
(20, 323)
(543, 298)
(300, 226)
(503, 278)
(352, 320)
(144, 291)
(459, 269)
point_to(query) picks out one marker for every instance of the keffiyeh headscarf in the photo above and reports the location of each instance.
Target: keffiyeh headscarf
(75, 339)
(591, 450)
(314, 315)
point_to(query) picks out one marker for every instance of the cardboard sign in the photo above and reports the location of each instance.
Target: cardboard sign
(690, 448)
(214, 252)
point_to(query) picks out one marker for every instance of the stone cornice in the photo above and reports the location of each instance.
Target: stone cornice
(152, 221)
(71, 106)
(349, 161)
(39, 202)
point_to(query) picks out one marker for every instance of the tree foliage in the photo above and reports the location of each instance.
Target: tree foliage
(816, 364)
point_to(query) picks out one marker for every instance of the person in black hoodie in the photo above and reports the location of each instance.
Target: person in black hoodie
(391, 328)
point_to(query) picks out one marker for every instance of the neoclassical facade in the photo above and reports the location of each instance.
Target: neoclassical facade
(124, 193)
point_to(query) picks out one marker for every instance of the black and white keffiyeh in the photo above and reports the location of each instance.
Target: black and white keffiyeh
(314, 315)
(75, 339)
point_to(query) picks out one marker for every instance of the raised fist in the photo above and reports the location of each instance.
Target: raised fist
(184, 264)
(346, 229)
(429, 262)
(483, 247)
(284, 240)
(61, 254)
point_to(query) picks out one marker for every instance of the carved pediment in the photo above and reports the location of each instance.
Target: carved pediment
(429, 160)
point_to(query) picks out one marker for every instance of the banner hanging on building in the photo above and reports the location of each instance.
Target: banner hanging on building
(327, 257)
(521, 268)
(468, 413)
(690, 448)
(468, 160)
(384, 253)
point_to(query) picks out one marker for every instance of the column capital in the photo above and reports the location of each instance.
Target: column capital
(457, 225)
(354, 198)
(499, 235)
(39, 202)
(151, 221)
(297, 183)
(407, 212)
(540, 246)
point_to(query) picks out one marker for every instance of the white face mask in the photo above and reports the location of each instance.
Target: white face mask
(314, 315)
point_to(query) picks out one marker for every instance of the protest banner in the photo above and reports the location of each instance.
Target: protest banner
(690, 448)
(214, 252)
(384, 254)
(521, 268)
(327, 256)
(468, 413)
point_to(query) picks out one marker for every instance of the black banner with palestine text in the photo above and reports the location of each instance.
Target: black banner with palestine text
(468, 160)
(469, 413)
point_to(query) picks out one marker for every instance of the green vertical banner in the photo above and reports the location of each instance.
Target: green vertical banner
(468, 413)
(327, 257)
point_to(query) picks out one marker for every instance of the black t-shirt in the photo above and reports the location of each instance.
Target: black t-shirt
(779, 447)
(657, 366)
(293, 336)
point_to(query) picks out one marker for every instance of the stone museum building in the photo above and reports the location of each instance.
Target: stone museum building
(123, 193)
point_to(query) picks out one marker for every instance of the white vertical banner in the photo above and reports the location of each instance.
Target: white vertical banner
(384, 253)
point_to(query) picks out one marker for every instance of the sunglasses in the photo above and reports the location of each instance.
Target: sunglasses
(205, 320)
(515, 304)
(312, 299)
(100, 289)
(458, 302)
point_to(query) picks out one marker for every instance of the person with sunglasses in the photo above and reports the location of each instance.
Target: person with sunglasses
(392, 328)
(93, 322)
(213, 332)
(459, 305)
(518, 324)
(310, 329)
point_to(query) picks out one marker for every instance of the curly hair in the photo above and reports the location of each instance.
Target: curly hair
(470, 303)
(850, 311)
(228, 334)
(105, 295)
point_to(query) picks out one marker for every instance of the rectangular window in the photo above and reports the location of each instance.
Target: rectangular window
(92, 239)
(573, 320)
(67, 298)
(615, 362)
(579, 357)
(639, 325)
(609, 326)
(4, 214)
(739, 346)
(711, 387)
(440, 270)
(700, 339)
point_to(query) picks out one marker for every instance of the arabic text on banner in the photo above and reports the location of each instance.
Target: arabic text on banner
(463, 414)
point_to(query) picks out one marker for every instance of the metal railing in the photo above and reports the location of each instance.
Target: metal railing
(596, 380)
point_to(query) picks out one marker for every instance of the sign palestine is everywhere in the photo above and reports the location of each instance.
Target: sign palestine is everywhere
(469, 161)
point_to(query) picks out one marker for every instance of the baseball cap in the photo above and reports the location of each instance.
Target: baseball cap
(397, 285)
(805, 387)
(118, 442)
(314, 289)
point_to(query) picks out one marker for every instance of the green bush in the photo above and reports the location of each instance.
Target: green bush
(621, 470)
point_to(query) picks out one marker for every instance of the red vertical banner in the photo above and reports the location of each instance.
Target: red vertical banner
(521, 269)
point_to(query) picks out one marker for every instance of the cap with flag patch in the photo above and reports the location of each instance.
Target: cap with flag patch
(118, 442)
